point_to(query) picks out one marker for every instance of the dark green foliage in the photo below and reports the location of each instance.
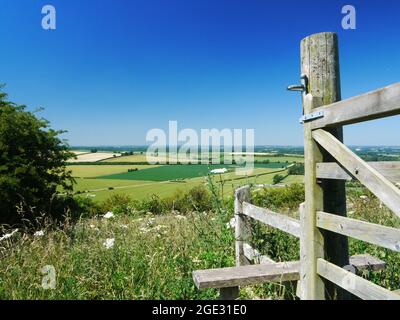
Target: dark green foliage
(296, 169)
(32, 164)
(197, 199)
(287, 198)
(277, 178)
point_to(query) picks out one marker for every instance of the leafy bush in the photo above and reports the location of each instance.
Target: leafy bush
(117, 203)
(296, 169)
(279, 198)
(277, 178)
(32, 165)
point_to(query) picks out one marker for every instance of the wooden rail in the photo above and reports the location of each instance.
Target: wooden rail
(358, 286)
(385, 237)
(366, 174)
(332, 170)
(273, 219)
(369, 106)
(246, 275)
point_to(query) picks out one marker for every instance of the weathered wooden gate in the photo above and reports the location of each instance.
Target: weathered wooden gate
(323, 227)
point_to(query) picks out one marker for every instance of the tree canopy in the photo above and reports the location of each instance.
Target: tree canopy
(32, 164)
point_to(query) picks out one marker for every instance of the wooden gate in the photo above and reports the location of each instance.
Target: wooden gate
(323, 227)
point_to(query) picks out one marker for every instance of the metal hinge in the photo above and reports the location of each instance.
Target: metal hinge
(311, 116)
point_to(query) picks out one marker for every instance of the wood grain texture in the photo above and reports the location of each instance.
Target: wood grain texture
(255, 256)
(358, 286)
(320, 63)
(331, 170)
(360, 262)
(369, 106)
(312, 241)
(242, 226)
(373, 233)
(272, 272)
(273, 219)
(246, 275)
(386, 191)
(367, 262)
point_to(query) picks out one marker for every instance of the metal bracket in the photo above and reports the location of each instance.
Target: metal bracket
(300, 87)
(312, 116)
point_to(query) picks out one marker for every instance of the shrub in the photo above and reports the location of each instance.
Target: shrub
(289, 197)
(32, 165)
(296, 169)
(117, 203)
(277, 178)
(196, 199)
(154, 204)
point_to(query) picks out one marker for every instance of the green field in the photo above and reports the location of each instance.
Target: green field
(101, 181)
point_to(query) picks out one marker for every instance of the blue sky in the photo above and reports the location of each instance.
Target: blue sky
(113, 69)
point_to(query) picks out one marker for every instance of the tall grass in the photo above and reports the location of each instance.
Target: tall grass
(158, 243)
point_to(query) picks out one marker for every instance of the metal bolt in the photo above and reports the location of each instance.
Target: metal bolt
(356, 170)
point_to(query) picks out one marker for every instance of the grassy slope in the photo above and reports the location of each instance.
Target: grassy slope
(151, 259)
(142, 189)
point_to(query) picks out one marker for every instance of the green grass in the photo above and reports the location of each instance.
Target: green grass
(154, 256)
(139, 189)
(165, 173)
(175, 172)
(293, 179)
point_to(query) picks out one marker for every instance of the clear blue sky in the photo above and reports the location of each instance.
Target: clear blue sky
(114, 69)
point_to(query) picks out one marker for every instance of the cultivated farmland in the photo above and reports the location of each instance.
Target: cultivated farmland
(93, 157)
(99, 181)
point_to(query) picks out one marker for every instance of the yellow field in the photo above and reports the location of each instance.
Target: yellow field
(91, 171)
(93, 157)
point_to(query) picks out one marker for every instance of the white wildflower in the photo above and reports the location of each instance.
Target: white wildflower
(108, 215)
(159, 227)
(180, 217)
(144, 230)
(219, 171)
(231, 224)
(8, 235)
(39, 233)
(124, 226)
(364, 197)
(109, 243)
(92, 226)
(151, 221)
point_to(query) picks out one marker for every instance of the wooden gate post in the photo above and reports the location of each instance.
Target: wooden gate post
(242, 228)
(311, 239)
(320, 63)
(242, 234)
